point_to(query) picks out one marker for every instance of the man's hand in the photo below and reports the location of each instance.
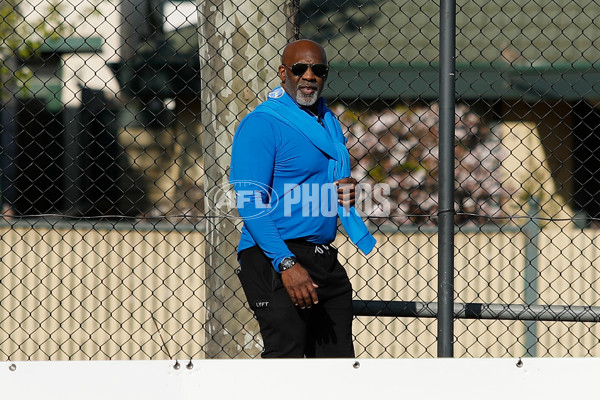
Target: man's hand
(346, 189)
(300, 286)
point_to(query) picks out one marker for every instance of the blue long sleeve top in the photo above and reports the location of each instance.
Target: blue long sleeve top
(283, 165)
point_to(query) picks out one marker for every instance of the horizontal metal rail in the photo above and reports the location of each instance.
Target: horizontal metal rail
(515, 312)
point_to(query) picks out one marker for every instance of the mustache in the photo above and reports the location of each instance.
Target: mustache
(307, 85)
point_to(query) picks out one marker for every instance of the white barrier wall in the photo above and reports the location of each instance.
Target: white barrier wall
(492, 378)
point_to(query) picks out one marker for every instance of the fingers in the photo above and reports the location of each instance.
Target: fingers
(346, 197)
(300, 287)
(313, 294)
(346, 189)
(305, 299)
(306, 296)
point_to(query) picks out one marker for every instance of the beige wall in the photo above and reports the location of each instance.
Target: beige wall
(539, 141)
(91, 294)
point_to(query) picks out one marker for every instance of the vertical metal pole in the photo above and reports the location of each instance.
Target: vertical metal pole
(446, 206)
(532, 231)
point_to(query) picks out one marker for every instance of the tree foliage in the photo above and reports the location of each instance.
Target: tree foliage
(21, 37)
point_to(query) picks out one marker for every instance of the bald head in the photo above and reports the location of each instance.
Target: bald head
(300, 47)
(305, 82)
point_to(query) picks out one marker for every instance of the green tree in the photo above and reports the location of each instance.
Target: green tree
(21, 37)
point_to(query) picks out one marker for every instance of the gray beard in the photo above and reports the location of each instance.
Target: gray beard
(306, 100)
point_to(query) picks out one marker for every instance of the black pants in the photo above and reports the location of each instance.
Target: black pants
(325, 329)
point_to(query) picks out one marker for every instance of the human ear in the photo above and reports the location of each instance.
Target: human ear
(281, 72)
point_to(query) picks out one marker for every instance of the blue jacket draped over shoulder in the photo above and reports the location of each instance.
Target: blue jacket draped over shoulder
(329, 139)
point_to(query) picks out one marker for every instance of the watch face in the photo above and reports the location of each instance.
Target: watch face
(287, 263)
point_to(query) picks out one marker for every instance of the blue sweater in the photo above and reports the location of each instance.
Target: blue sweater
(283, 175)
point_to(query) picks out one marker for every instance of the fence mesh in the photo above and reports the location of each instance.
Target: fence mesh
(117, 239)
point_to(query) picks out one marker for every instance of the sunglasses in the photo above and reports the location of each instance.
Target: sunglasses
(298, 69)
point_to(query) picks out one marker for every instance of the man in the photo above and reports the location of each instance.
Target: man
(290, 169)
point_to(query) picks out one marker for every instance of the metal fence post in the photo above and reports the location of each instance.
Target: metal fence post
(532, 232)
(446, 202)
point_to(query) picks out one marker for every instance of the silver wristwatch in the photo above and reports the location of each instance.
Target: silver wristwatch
(287, 263)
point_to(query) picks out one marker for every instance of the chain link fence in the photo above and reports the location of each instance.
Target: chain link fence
(118, 238)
